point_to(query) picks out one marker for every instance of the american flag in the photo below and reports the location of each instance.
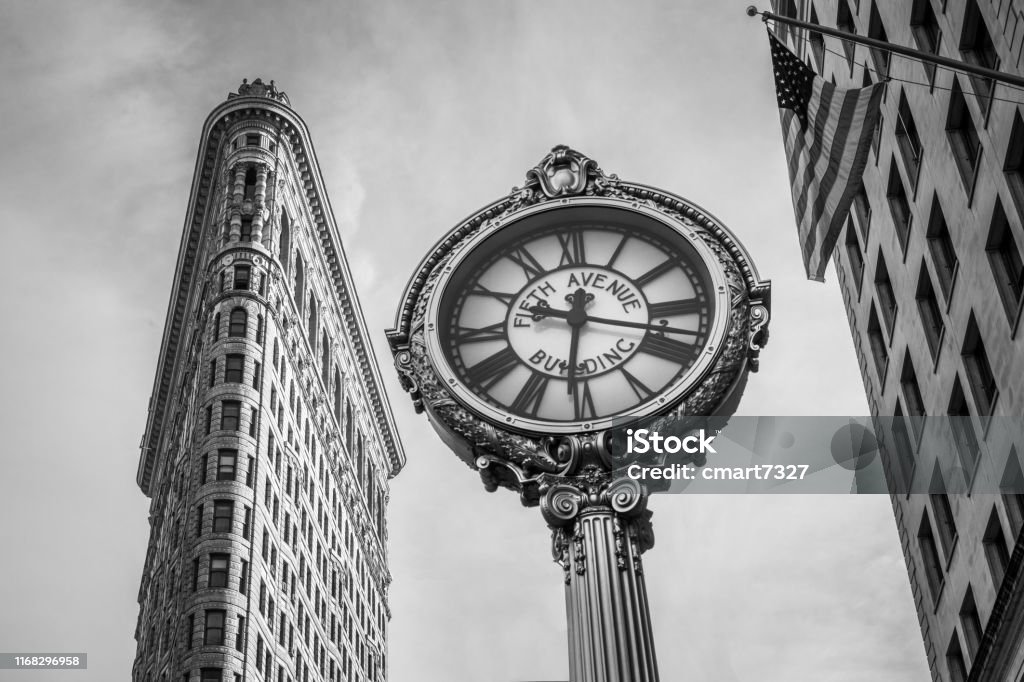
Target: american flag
(827, 131)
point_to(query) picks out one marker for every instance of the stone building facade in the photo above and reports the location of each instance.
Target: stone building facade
(930, 267)
(269, 442)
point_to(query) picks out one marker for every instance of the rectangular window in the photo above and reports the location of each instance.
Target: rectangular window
(1012, 488)
(996, 552)
(844, 22)
(190, 630)
(257, 374)
(979, 372)
(940, 245)
(1014, 167)
(247, 523)
(213, 372)
(250, 471)
(219, 570)
(199, 519)
(896, 193)
(927, 34)
(854, 256)
(944, 519)
(876, 30)
(963, 138)
(931, 314)
(912, 394)
(970, 623)
(243, 578)
(229, 414)
(861, 212)
(245, 233)
(878, 349)
(226, 460)
(254, 421)
(223, 514)
(977, 48)
(209, 419)
(252, 140)
(240, 634)
(908, 141)
(243, 274)
(904, 454)
(886, 295)
(1005, 259)
(964, 436)
(195, 574)
(213, 632)
(955, 660)
(930, 557)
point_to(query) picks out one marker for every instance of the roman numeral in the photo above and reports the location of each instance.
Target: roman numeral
(618, 250)
(492, 332)
(527, 262)
(661, 346)
(583, 401)
(481, 290)
(573, 250)
(530, 396)
(488, 372)
(683, 306)
(639, 387)
(655, 272)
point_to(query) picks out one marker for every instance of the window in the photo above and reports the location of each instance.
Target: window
(853, 254)
(300, 282)
(930, 557)
(963, 138)
(242, 275)
(190, 630)
(284, 242)
(223, 514)
(904, 454)
(219, 570)
(996, 553)
(240, 634)
(955, 660)
(898, 205)
(250, 471)
(313, 312)
(927, 33)
(250, 184)
(977, 48)
(877, 342)
(233, 368)
(979, 372)
(844, 22)
(940, 244)
(252, 140)
(247, 523)
(970, 623)
(243, 578)
(861, 212)
(337, 395)
(239, 322)
(1012, 488)
(964, 437)
(325, 360)
(908, 141)
(886, 296)
(876, 30)
(912, 394)
(213, 632)
(931, 315)
(229, 415)
(209, 419)
(257, 374)
(245, 232)
(1014, 166)
(216, 327)
(1005, 259)
(259, 327)
(254, 422)
(817, 42)
(213, 372)
(226, 460)
(195, 574)
(944, 520)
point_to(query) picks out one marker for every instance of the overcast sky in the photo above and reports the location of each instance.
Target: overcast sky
(420, 113)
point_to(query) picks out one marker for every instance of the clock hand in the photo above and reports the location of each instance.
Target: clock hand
(541, 311)
(576, 317)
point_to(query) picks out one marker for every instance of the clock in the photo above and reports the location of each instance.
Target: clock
(576, 315)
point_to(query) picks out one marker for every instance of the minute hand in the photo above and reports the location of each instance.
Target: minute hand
(543, 311)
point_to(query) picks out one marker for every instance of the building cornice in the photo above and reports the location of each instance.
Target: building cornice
(294, 131)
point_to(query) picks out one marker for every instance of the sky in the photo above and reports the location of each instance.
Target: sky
(420, 114)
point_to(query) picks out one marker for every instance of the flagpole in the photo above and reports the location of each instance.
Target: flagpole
(992, 74)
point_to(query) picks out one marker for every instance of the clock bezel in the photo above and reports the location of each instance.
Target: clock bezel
(718, 325)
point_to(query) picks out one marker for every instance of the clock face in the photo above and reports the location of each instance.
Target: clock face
(567, 318)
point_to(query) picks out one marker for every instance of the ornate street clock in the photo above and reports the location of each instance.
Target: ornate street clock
(549, 319)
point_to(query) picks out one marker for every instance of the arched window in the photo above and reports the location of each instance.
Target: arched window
(239, 322)
(337, 395)
(325, 360)
(250, 183)
(312, 322)
(216, 327)
(300, 282)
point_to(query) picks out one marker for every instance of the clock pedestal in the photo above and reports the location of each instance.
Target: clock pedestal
(598, 539)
